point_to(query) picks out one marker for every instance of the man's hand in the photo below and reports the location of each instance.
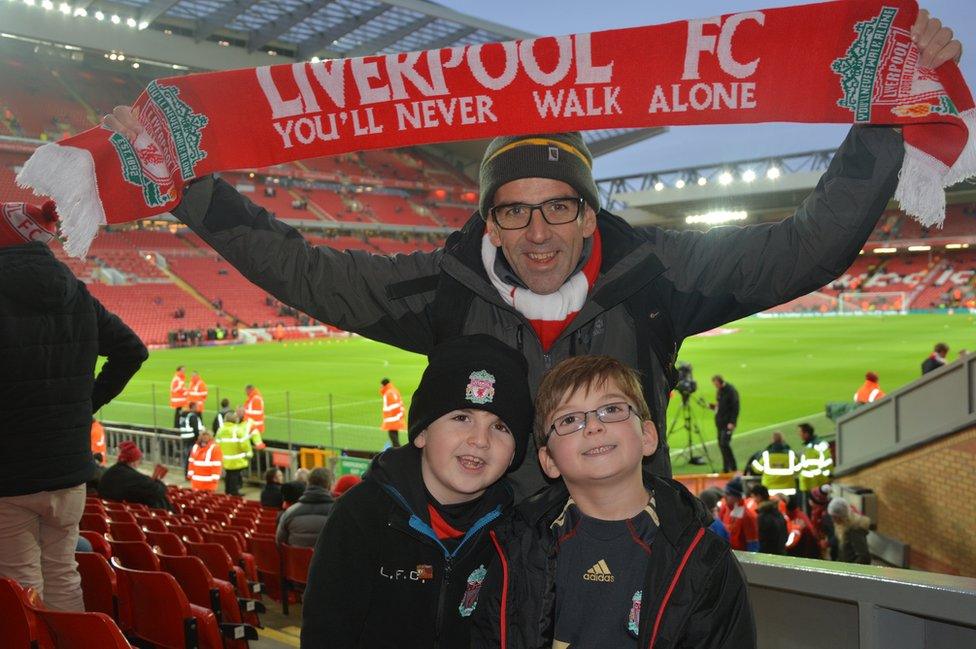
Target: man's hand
(125, 120)
(935, 42)
(730, 427)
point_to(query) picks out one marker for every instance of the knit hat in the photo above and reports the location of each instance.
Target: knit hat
(839, 507)
(475, 372)
(734, 487)
(129, 452)
(820, 495)
(871, 376)
(344, 484)
(559, 156)
(22, 223)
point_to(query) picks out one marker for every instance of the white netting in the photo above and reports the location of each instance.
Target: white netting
(866, 302)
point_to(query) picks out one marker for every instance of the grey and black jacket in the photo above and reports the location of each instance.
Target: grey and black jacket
(301, 523)
(655, 288)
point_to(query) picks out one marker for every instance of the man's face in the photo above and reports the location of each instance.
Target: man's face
(804, 435)
(716, 384)
(599, 452)
(542, 255)
(464, 453)
(731, 501)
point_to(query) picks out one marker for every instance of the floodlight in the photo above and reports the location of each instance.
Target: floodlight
(701, 181)
(748, 176)
(725, 178)
(131, 22)
(680, 184)
(716, 217)
(773, 173)
(115, 19)
(658, 186)
(99, 15)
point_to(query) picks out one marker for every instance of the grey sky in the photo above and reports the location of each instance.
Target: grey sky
(691, 145)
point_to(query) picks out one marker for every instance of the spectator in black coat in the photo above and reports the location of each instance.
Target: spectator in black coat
(772, 523)
(124, 482)
(301, 523)
(271, 494)
(936, 359)
(52, 332)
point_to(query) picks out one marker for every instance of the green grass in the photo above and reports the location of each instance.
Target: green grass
(785, 371)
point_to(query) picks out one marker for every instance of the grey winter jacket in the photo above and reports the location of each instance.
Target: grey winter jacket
(692, 281)
(301, 523)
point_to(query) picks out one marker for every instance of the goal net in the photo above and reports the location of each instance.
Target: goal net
(868, 302)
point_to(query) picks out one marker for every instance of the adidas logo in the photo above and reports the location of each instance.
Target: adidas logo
(599, 572)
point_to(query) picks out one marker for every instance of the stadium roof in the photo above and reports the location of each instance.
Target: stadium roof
(259, 32)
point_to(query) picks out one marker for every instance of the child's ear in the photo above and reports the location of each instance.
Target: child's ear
(547, 463)
(648, 437)
(420, 440)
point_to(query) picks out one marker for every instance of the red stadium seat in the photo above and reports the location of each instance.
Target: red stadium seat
(155, 609)
(166, 543)
(94, 522)
(82, 630)
(220, 563)
(95, 509)
(125, 532)
(136, 555)
(18, 625)
(267, 559)
(98, 542)
(117, 516)
(98, 584)
(187, 532)
(266, 528)
(151, 524)
(216, 594)
(294, 567)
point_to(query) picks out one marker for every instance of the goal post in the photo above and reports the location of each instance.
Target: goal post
(872, 302)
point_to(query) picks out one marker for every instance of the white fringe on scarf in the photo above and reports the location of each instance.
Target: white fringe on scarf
(67, 174)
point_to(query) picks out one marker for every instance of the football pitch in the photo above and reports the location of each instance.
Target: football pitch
(326, 392)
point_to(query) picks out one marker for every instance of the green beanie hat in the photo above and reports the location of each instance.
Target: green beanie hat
(559, 156)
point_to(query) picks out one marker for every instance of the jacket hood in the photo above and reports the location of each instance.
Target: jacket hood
(32, 275)
(397, 470)
(316, 495)
(858, 521)
(677, 509)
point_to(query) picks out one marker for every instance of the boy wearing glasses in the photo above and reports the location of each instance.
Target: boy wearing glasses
(609, 556)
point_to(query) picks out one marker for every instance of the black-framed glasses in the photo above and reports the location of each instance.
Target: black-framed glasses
(609, 413)
(556, 211)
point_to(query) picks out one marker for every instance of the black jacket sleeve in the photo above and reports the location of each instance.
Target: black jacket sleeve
(728, 405)
(337, 596)
(347, 289)
(722, 617)
(730, 272)
(125, 353)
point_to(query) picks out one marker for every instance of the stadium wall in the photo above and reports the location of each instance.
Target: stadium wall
(927, 499)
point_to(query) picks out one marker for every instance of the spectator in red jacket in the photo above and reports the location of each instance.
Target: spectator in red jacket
(739, 519)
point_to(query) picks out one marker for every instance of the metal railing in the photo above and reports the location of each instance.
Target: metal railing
(164, 446)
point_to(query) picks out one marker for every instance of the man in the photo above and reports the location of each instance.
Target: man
(98, 445)
(770, 522)
(870, 391)
(851, 529)
(235, 446)
(936, 359)
(393, 414)
(726, 416)
(554, 276)
(218, 419)
(52, 332)
(778, 465)
(206, 461)
(816, 462)
(738, 518)
(190, 427)
(123, 482)
(198, 392)
(177, 394)
(254, 416)
(301, 523)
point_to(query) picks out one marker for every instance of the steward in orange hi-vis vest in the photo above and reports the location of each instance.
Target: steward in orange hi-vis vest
(177, 395)
(197, 392)
(98, 440)
(206, 462)
(254, 415)
(870, 391)
(394, 417)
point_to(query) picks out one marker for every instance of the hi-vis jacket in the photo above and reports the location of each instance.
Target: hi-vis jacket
(655, 288)
(815, 464)
(235, 445)
(205, 465)
(254, 416)
(198, 393)
(393, 415)
(869, 392)
(177, 391)
(778, 467)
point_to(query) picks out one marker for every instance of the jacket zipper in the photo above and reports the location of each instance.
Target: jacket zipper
(445, 582)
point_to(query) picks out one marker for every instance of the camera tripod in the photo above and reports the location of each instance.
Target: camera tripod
(686, 421)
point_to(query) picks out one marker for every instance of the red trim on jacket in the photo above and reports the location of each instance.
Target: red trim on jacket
(503, 613)
(674, 582)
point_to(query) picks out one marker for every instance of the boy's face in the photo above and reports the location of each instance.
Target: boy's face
(464, 453)
(600, 451)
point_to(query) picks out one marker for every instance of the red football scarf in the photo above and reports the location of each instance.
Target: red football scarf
(850, 61)
(551, 313)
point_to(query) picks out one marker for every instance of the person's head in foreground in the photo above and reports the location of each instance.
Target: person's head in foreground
(593, 427)
(540, 202)
(470, 416)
